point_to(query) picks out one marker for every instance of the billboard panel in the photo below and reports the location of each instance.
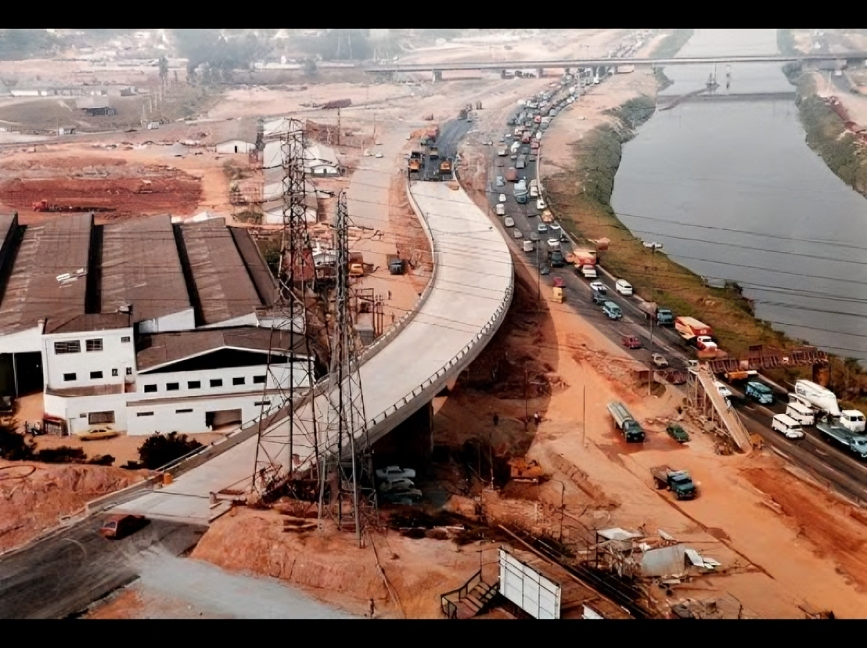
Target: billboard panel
(528, 589)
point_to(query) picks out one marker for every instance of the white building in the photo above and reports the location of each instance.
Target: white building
(235, 146)
(161, 327)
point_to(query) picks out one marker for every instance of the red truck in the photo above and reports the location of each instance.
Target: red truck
(689, 327)
(512, 174)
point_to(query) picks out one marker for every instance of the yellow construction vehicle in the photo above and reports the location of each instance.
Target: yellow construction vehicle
(525, 471)
(446, 167)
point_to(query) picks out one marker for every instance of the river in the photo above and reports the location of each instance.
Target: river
(733, 192)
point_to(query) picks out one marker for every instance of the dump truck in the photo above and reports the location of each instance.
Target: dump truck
(855, 441)
(395, 264)
(632, 431)
(45, 206)
(521, 470)
(433, 153)
(652, 311)
(416, 159)
(677, 481)
(446, 167)
(583, 257)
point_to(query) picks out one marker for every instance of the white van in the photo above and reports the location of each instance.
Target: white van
(529, 246)
(623, 287)
(500, 209)
(852, 420)
(588, 271)
(800, 413)
(787, 426)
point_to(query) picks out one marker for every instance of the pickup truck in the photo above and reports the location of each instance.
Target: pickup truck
(856, 442)
(677, 481)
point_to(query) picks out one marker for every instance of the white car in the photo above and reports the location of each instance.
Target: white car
(540, 204)
(517, 233)
(395, 472)
(659, 360)
(542, 228)
(722, 389)
(599, 287)
(554, 243)
(555, 227)
(502, 197)
(379, 155)
(509, 221)
(500, 209)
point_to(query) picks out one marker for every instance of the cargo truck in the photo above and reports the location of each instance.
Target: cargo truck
(521, 193)
(856, 442)
(677, 481)
(817, 397)
(632, 431)
(689, 327)
(512, 174)
(661, 316)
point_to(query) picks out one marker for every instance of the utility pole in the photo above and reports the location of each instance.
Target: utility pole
(338, 127)
(653, 248)
(583, 411)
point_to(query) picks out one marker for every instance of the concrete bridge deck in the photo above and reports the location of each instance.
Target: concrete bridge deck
(580, 63)
(469, 295)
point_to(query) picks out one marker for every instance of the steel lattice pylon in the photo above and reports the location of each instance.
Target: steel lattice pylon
(290, 449)
(346, 476)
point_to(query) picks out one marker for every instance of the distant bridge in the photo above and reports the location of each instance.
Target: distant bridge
(597, 62)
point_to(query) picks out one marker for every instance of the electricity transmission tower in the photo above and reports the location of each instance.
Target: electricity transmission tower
(290, 449)
(346, 477)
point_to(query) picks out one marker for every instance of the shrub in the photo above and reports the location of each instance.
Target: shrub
(14, 446)
(62, 454)
(160, 449)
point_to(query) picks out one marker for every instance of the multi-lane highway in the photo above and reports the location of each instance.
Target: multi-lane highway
(831, 464)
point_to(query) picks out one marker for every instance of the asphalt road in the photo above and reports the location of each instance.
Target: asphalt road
(60, 576)
(831, 463)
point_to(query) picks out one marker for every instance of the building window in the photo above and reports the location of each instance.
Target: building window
(95, 375)
(258, 379)
(260, 403)
(125, 339)
(238, 381)
(129, 371)
(69, 377)
(67, 347)
(144, 413)
(95, 418)
(114, 373)
(149, 389)
(217, 382)
(94, 345)
(172, 386)
(194, 384)
(183, 411)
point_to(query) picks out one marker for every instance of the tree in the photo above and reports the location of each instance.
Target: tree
(161, 449)
(14, 446)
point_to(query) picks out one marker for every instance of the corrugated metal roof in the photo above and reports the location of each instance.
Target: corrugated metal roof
(665, 561)
(59, 246)
(222, 282)
(260, 273)
(617, 533)
(141, 266)
(162, 348)
(89, 322)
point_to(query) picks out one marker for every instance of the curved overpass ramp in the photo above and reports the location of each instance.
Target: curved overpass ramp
(463, 306)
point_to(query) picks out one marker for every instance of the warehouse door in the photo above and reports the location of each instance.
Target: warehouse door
(221, 418)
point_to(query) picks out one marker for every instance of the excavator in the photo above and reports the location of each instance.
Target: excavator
(44, 206)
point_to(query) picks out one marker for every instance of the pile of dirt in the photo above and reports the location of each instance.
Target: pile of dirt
(127, 190)
(34, 496)
(330, 566)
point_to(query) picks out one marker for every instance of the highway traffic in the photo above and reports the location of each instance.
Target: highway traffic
(832, 464)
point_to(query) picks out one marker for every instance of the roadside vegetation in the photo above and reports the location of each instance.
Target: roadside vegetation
(786, 42)
(581, 197)
(672, 43)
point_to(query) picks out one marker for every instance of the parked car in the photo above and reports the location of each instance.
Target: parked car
(659, 360)
(501, 181)
(517, 233)
(599, 287)
(534, 236)
(502, 197)
(508, 221)
(395, 472)
(500, 209)
(677, 433)
(554, 243)
(120, 526)
(555, 227)
(542, 228)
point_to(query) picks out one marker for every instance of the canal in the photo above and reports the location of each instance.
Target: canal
(733, 192)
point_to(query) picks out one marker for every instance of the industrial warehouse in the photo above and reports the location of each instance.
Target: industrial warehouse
(140, 326)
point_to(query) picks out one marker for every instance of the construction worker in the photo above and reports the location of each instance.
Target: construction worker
(389, 294)
(538, 418)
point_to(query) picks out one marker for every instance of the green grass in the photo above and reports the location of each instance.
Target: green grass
(670, 45)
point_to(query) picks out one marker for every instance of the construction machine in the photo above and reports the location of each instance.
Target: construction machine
(522, 470)
(415, 161)
(446, 167)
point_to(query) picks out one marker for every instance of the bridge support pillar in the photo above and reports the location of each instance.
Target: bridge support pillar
(502, 74)
(540, 73)
(437, 75)
(410, 443)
